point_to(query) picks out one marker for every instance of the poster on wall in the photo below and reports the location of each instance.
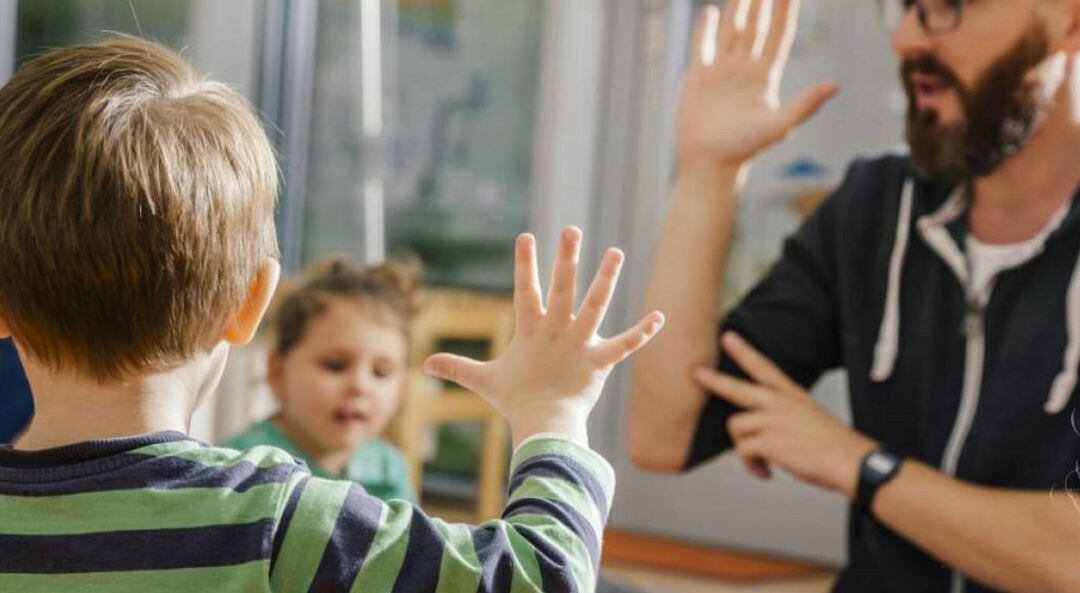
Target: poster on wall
(431, 20)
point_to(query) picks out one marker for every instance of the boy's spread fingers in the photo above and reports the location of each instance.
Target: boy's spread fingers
(594, 307)
(564, 274)
(464, 371)
(616, 349)
(527, 301)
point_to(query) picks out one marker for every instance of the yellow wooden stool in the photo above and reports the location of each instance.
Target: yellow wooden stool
(456, 316)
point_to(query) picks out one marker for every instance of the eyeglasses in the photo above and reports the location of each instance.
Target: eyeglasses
(937, 17)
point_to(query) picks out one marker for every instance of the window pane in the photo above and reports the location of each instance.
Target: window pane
(217, 37)
(46, 24)
(461, 88)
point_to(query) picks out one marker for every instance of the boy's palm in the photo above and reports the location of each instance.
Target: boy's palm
(555, 364)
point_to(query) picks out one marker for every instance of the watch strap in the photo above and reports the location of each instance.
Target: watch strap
(878, 468)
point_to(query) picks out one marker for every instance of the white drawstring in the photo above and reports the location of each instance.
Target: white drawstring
(888, 342)
(1062, 388)
(887, 348)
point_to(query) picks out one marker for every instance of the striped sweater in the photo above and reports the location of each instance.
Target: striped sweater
(163, 512)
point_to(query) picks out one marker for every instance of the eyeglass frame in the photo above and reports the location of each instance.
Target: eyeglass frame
(924, 16)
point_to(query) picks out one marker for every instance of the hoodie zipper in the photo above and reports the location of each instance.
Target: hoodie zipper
(973, 330)
(932, 228)
(974, 355)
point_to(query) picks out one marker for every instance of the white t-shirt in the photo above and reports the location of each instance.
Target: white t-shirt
(985, 260)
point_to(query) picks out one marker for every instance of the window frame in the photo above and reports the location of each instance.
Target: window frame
(8, 23)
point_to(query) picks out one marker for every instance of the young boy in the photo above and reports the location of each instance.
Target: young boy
(136, 226)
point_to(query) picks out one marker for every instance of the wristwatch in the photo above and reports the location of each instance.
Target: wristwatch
(877, 469)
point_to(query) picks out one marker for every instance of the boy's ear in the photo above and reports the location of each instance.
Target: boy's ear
(5, 332)
(245, 320)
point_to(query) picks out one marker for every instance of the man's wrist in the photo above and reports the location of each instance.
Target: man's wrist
(712, 173)
(852, 466)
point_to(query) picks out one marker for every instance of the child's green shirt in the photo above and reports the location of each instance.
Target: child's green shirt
(377, 465)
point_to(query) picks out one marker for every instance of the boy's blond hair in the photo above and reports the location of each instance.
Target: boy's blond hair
(136, 206)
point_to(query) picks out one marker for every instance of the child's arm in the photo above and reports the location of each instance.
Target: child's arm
(332, 536)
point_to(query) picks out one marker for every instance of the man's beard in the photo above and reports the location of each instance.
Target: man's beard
(999, 115)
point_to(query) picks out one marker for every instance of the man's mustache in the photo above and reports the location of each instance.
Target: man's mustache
(930, 66)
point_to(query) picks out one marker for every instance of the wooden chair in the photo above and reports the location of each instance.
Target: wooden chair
(428, 402)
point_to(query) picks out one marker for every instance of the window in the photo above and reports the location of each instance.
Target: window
(218, 37)
(46, 24)
(453, 162)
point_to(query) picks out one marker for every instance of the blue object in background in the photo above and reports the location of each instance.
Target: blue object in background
(16, 405)
(802, 168)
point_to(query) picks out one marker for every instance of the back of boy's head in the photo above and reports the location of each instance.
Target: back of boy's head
(388, 292)
(136, 208)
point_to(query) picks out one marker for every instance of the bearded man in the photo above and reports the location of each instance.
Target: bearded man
(944, 280)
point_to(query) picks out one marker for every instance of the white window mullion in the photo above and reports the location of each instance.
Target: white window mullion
(8, 13)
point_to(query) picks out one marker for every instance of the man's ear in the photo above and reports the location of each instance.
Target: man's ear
(245, 320)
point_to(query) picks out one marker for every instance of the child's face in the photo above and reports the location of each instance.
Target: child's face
(341, 384)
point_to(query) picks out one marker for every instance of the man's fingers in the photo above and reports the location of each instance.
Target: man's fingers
(757, 365)
(752, 449)
(615, 350)
(564, 275)
(468, 373)
(594, 307)
(748, 37)
(527, 301)
(743, 424)
(727, 33)
(757, 466)
(741, 393)
(703, 52)
(781, 32)
(808, 103)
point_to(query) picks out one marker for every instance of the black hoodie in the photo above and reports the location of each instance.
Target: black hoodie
(980, 386)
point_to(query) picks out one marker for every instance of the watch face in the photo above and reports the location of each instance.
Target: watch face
(881, 463)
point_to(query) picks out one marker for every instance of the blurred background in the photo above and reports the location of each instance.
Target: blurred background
(443, 128)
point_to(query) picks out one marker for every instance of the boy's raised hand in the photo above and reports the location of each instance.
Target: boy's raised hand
(550, 375)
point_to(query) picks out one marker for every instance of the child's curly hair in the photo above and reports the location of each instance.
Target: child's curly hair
(391, 290)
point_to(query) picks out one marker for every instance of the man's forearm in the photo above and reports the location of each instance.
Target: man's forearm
(1022, 541)
(685, 283)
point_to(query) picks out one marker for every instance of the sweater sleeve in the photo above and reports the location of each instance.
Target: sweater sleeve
(333, 536)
